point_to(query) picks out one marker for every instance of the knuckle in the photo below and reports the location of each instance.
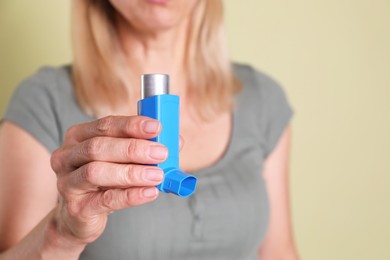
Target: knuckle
(104, 124)
(108, 199)
(70, 132)
(73, 208)
(132, 198)
(130, 174)
(90, 172)
(133, 126)
(133, 148)
(55, 160)
(93, 146)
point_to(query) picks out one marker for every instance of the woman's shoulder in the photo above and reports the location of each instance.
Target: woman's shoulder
(48, 88)
(253, 79)
(47, 80)
(44, 105)
(262, 102)
(258, 85)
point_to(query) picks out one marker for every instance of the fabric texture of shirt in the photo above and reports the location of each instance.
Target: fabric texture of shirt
(226, 218)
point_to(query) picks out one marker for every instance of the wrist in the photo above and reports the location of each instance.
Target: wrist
(61, 241)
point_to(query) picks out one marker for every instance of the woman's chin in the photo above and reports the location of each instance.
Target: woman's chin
(155, 15)
(158, 1)
(159, 22)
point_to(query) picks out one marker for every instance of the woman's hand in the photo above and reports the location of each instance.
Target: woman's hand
(103, 167)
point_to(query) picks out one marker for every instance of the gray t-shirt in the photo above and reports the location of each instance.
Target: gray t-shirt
(226, 218)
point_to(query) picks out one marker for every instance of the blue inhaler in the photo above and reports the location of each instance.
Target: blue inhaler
(157, 103)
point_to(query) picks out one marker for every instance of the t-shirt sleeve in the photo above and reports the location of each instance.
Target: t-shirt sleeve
(276, 113)
(32, 108)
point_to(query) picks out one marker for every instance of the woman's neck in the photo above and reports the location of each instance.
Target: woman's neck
(155, 52)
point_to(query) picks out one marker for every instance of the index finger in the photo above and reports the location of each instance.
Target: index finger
(114, 126)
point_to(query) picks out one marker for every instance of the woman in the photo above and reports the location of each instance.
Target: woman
(234, 123)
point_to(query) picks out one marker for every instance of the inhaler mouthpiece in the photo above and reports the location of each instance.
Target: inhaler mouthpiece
(178, 182)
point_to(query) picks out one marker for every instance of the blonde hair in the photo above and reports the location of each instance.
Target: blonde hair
(100, 73)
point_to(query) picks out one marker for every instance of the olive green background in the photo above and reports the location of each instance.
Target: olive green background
(333, 58)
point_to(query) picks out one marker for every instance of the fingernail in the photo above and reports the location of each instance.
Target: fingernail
(158, 152)
(149, 192)
(151, 126)
(154, 174)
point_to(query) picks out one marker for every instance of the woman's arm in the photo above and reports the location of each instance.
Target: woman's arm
(279, 242)
(28, 194)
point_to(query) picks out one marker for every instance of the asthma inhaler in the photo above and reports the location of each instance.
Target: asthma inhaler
(157, 103)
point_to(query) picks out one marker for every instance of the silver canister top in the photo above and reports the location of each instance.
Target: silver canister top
(154, 84)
